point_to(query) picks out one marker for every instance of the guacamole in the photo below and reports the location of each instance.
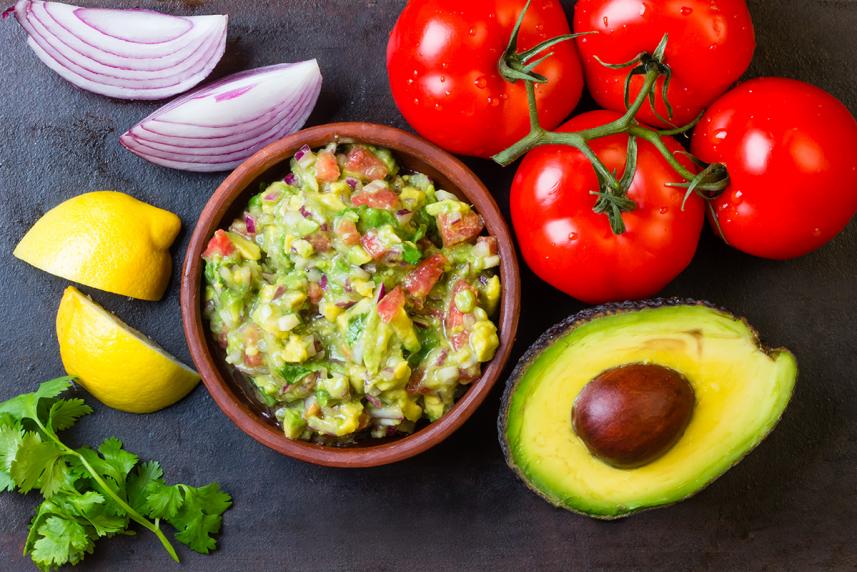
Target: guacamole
(355, 295)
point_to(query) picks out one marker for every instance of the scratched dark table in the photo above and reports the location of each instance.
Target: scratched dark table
(791, 505)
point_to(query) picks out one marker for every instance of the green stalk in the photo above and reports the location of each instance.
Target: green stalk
(133, 514)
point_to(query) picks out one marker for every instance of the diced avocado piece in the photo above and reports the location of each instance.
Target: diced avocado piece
(739, 389)
(295, 350)
(433, 407)
(376, 337)
(404, 330)
(293, 422)
(447, 206)
(484, 340)
(490, 295)
(249, 250)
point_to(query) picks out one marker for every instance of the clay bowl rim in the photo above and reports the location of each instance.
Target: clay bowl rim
(408, 148)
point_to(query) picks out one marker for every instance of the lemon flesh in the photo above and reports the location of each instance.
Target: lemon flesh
(107, 240)
(117, 364)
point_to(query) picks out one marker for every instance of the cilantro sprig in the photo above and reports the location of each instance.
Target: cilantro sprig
(93, 493)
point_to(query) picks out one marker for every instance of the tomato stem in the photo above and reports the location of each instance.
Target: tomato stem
(612, 195)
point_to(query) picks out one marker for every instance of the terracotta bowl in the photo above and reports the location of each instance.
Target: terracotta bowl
(234, 393)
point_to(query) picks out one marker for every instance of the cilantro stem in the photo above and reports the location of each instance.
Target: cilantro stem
(105, 488)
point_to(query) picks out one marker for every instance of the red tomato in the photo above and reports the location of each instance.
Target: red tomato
(347, 231)
(372, 244)
(365, 164)
(219, 244)
(442, 62)
(457, 323)
(326, 168)
(710, 45)
(791, 152)
(381, 199)
(419, 281)
(390, 304)
(572, 248)
(455, 228)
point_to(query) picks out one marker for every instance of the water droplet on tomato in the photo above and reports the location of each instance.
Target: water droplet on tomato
(480, 82)
(438, 107)
(604, 19)
(663, 210)
(471, 31)
(737, 195)
(444, 65)
(415, 73)
(642, 9)
(572, 236)
(410, 81)
(447, 93)
(721, 134)
(686, 10)
(416, 101)
(816, 232)
(442, 79)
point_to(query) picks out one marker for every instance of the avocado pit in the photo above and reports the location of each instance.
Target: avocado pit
(630, 415)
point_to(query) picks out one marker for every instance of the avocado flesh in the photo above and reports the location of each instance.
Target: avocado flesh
(741, 391)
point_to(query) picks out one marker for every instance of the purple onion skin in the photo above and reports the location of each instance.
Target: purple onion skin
(250, 223)
(323, 282)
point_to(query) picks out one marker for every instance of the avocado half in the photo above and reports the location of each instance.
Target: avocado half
(741, 390)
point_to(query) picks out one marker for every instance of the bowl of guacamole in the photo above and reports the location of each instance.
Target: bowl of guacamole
(350, 295)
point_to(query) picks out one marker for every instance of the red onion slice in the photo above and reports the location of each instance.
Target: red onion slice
(126, 54)
(216, 127)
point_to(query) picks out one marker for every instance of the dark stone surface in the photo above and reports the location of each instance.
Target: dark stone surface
(791, 505)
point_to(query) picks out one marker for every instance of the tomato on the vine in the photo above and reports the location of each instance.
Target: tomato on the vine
(442, 62)
(573, 248)
(710, 44)
(791, 152)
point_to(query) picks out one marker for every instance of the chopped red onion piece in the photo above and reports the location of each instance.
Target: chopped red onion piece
(403, 212)
(382, 291)
(345, 304)
(301, 152)
(374, 401)
(290, 179)
(351, 182)
(250, 223)
(305, 212)
(323, 282)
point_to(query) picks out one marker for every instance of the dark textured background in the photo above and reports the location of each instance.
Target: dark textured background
(791, 505)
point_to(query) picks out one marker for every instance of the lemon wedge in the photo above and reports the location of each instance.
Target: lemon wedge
(118, 365)
(107, 240)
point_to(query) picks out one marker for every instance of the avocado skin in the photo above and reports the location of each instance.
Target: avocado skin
(573, 321)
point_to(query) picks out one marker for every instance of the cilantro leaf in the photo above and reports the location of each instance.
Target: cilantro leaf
(120, 459)
(26, 405)
(163, 501)
(410, 253)
(65, 413)
(356, 325)
(34, 464)
(200, 516)
(10, 441)
(62, 541)
(140, 481)
(293, 373)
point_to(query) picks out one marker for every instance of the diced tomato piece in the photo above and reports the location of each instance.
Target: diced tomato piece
(219, 244)
(319, 241)
(373, 245)
(253, 361)
(422, 279)
(456, 322)
(364, 163)
(314, 292)
(381, 199)
(456, 228)
(326, 169)
(390, 304)
(347, 231)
